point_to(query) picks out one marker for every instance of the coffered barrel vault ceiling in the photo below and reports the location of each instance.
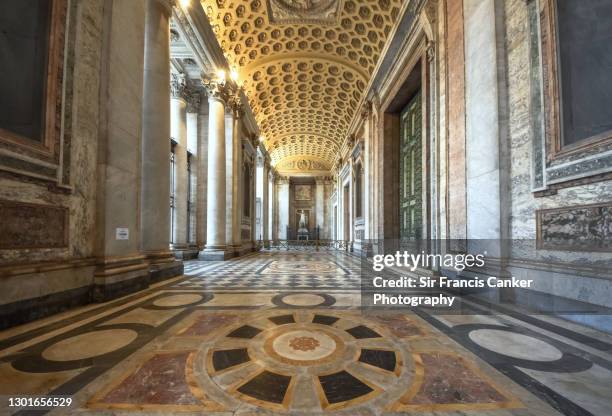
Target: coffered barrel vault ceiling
(304, 65)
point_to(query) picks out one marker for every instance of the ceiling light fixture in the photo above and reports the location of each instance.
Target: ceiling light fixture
(221, 75)
(234, 75)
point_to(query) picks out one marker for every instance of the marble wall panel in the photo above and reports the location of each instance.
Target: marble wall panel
(456, 120)
(482, 120)
(32, 225)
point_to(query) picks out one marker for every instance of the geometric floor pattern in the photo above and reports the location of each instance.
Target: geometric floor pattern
(283, 333)
(278, 271)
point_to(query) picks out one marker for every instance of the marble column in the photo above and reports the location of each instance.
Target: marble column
(283, 207)
(265, 203)
(193, 138)
(178, 132)
(234, 164)
(271, 197)
(367, 170)
(320, 206)
(254, 181)
(155, 178)
(259, 190)
(216, 239)
(202, 172)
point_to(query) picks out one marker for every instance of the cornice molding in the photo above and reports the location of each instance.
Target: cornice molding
(191, 35)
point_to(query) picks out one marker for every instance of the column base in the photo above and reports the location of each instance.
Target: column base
(61, 285)
(215, 254)
(186, 253)
(119, 276)
(245, 249)
(163, 265)
(236, 249)
(165, 271)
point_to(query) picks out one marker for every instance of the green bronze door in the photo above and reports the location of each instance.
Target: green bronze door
(411, 192)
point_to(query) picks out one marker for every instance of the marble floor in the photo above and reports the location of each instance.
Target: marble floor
(283, 333)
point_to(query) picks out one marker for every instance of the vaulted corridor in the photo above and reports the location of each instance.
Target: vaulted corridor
(306, 207)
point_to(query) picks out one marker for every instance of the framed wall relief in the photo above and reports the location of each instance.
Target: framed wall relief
(32, 38)
(579, 228)
(570, 61)
(303, 192)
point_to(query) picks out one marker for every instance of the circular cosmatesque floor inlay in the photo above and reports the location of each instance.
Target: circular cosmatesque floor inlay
(89, 344)
(304, 346)
(513, 344)
(263, 359)
(178, 300)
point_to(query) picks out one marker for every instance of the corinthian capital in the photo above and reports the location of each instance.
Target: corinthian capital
(217, 89)
(193, 101)
(366, 110)
(236, 106)
(178, 86)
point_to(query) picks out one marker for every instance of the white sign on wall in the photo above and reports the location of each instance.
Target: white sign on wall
(122, 233)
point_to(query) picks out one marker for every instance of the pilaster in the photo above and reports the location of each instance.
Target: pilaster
(265, 203)
(283, 207)
(120, 267)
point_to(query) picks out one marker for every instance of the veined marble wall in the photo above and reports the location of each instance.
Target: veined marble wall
(81, 123)
(89, 248)
(48, 268)
(481, 140)
(524, 202)
(568, 269)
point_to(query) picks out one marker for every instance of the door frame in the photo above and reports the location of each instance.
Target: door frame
(415, 74)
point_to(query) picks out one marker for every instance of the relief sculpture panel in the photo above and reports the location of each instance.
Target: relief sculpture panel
(303, 192)
(582, 228)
